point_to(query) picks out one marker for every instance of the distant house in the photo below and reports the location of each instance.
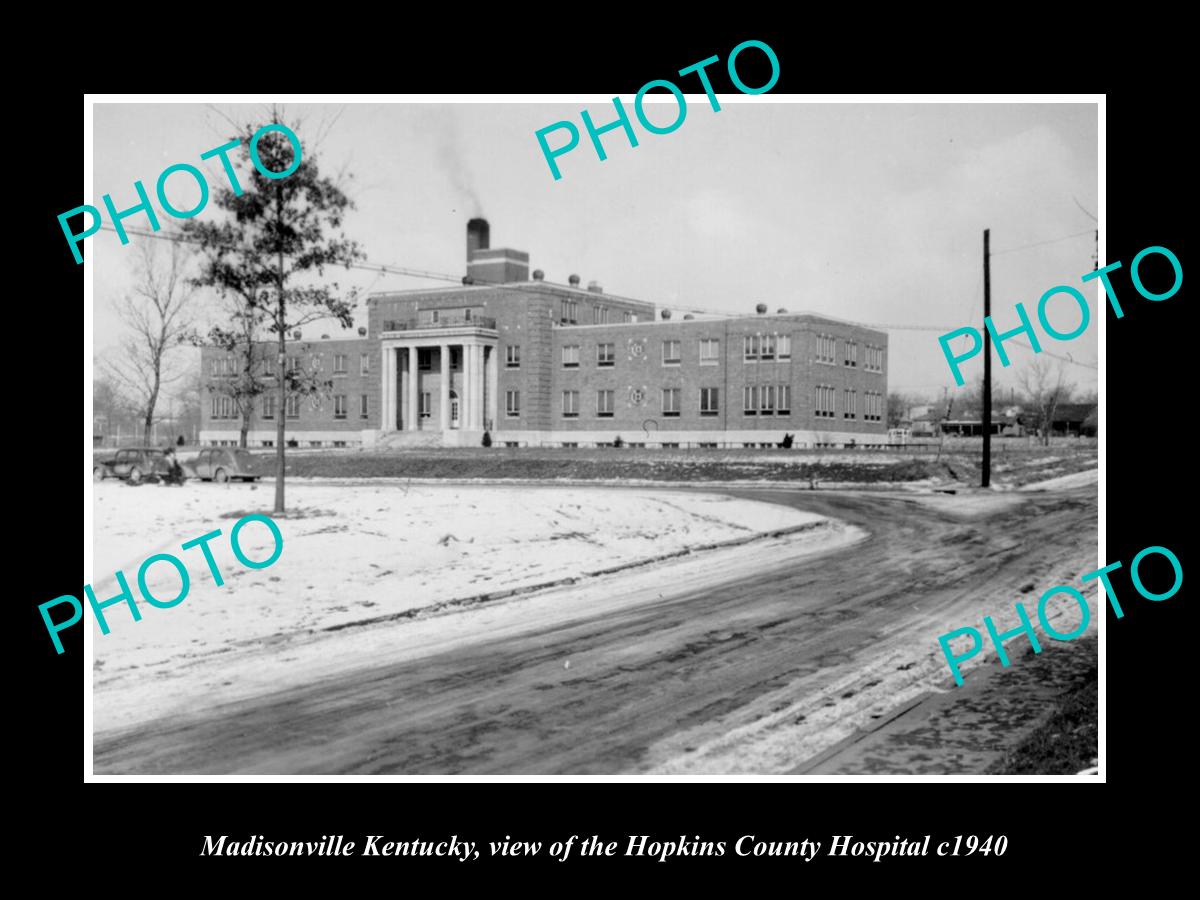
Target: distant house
(963, 421)
(1091, 425)
(1070, 418)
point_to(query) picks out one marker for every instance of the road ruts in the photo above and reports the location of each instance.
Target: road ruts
(695, 664)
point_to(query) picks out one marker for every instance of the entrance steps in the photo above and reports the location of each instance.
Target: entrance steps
(412, 440)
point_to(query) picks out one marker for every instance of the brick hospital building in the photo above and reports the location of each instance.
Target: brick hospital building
(539, 363)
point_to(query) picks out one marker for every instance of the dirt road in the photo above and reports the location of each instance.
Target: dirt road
(752, 676)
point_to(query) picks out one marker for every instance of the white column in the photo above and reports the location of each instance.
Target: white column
(493, 387)
(469, 401)
(464, 395)
(477, 409)
(393, 373)
(385, 422)
(412, 413)
(444, 410)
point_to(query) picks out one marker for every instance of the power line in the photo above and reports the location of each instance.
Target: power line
(390, 269)
(1066, 237)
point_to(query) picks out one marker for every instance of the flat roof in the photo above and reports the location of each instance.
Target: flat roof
(530, 285)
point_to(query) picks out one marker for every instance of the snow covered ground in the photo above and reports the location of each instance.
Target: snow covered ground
(360, 552)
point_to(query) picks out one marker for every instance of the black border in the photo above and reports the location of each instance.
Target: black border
(1146, 442)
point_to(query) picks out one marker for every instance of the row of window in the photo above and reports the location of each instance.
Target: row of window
(605, 402)
(827, 353)
(229, 365)
(757, 348)
(767, 400)
(766, 347)
(225, 407)
(825, 404)
(601, 315)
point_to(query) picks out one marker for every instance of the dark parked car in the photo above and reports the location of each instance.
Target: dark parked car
(223, 463)
(132, 464)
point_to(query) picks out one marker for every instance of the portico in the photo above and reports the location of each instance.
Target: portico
(439, 377)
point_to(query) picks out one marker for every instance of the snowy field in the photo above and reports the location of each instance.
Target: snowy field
(361, 552)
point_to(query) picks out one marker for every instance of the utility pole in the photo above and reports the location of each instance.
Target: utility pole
(987, 362)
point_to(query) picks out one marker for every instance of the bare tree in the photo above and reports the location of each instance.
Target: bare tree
(241, 337)
(110, 408)
(158, 317)
(897, 408)
(1045, 387)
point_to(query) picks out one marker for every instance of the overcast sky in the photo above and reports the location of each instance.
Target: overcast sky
(872, 213)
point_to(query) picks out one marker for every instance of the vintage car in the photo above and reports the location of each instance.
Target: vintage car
(223, 463)
(132, 464)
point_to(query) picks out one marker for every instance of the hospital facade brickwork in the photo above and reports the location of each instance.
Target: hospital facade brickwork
(538, 363)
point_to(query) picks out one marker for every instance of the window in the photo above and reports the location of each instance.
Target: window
(784, 347)
(750, 400)
(512, 403)
(425, 359)
(569, 311)
(604, 404)
(873, 359)
(455, 359)
(599, 315)
(850, 357)
(825, 406)
(670, 353)
(268, 443)
(766, 349)
(874, 407)
(215, 411)
(605, 355)
(269, 406)
(750, 348)
(670, 401)
(708, 401)
(570, 404)
(339, 443)
(826, 349)
(339, 364)
(293, 363)
(226, 407)
(339, 406)
(512, 356)
(710, 352)
(425, 406)
(570, 356)
(363, 406)
(784, 395)
(364, 364)
(627, 316)
(293, 407)
(766, 396)
(849, 404)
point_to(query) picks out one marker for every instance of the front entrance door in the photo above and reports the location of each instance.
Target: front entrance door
(453, 409)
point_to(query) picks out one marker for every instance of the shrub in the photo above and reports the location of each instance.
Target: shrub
(487, 439)
(787, 441)
(618, 442)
